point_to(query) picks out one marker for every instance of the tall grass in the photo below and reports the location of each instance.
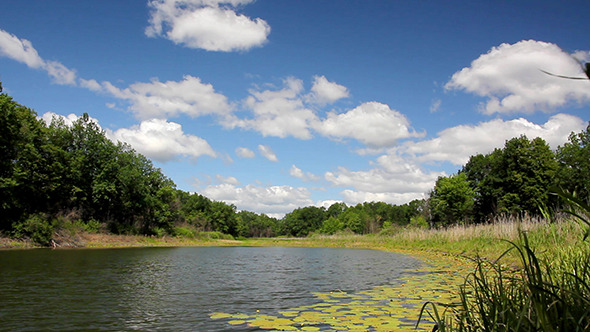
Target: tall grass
(543, 295)
(549, 292)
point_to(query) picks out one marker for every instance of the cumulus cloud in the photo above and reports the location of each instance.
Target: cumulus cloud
(168, 99)
(161, 140)
(296, 172)
(156, 139)
(510, 77)
(325, 92)
(278, 113)
(243, 152)
(373, 124)
(23, 51)
(68, 120)
(393, 179)
(212, 25)
(274, 201)
(457, 144)
(267, 153)
(352, 197)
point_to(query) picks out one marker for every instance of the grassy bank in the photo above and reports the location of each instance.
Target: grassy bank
(550, 239)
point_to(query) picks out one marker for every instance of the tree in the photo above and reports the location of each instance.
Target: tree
(512, 180)
(573, 173)
(302, 221)
(355, 219)
(451, 200)
(528, 168)
(484, 175)
(223, 218)
(336, 209)
(26, 177)
(251, 224)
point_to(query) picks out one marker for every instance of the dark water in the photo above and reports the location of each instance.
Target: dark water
(174, 289)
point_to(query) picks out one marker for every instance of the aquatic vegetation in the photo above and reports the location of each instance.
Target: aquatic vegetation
(394, 307)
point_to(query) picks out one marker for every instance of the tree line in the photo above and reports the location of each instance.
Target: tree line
(59, 174)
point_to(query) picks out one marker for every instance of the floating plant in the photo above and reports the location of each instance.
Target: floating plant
(384, 308)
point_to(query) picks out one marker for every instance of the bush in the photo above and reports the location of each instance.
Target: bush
(36, 227)
(419, 222)
(215, 236)
(184, 232)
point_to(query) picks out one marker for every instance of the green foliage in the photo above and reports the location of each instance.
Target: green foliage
(36, 227)
(223, 218)
(538, 297)
(550, 293)
(573, 157)
(331, 226)
(512, 180)
(451, 200)
(187, 232)
(215, 236)
(418, 222)
(303, 221)
(251, 224)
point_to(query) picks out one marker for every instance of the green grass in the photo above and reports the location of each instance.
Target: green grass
(549, 292)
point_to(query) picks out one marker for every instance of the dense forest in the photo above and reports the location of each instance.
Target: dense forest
(57, 175)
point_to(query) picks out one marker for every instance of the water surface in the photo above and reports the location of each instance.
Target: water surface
(175, 289)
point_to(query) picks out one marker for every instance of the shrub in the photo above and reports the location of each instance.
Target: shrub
(184, 232)
(36, 227)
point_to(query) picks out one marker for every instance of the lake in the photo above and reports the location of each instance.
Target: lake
(175, 289)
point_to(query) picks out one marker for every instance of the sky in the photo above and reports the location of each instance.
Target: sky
(272, 105)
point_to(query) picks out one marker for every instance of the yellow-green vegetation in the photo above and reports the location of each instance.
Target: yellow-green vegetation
(457, 292)
(484, 240)
(393, 307)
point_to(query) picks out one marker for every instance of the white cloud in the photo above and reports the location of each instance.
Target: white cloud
(352, 197)
(156, 139)
(582, 56)
(510, 77)
(296, 172)
(60, 73)
(171, 98)
(392, 180)
(23, 51)
(435, 106)
(91, 85)
(267, 153)
(227, 180)
(275, 201)
(68, 120)
(212, 25)
(279, 113)
(325, 92)
(161, 140)
(373, 124)
(20, 50)
(391, 175)
(397, 177)
(243, 152)
(457, 144)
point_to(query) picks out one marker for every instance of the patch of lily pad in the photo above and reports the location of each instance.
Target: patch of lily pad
(393, 307)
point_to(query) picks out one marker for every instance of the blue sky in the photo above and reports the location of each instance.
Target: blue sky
(272, 105)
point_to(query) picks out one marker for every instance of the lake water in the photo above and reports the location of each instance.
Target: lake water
(175, 289)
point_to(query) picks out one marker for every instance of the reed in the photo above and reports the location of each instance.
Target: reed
(549, 292)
